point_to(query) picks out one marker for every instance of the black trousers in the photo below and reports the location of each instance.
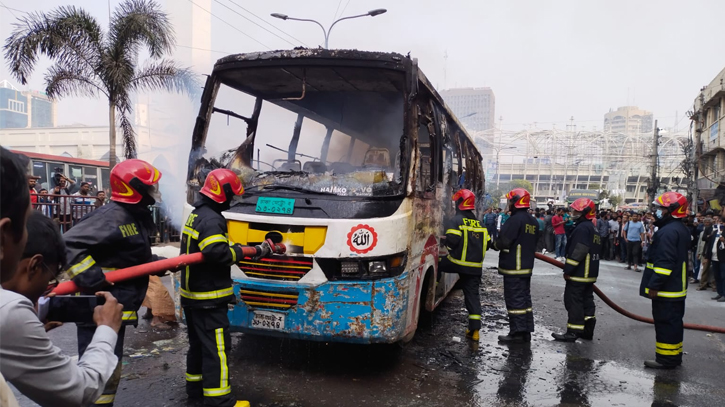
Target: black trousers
(579, 303)
(85, 336)
(207, 371)
(517, 293)
(634, 250)
(605, 247)
(471, 296)
(470, 284)
(669, 331)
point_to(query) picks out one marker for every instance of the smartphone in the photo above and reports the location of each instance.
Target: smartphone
(73, 308)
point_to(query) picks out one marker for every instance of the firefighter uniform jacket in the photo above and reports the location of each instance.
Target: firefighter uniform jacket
(666, 269)
(208, 284)
(583, 248)
(517, 243)
(109, 238)
(467, 242)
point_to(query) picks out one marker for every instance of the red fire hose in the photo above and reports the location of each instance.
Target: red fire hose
(608, 301)
(155, 267)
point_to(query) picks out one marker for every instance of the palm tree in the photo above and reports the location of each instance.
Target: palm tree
(91, 62)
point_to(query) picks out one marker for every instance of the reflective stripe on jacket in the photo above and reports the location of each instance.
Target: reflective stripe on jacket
(517, 243)
(583, 248)
(111, 237)
(467, 242)
(666, 269)
(208, 283)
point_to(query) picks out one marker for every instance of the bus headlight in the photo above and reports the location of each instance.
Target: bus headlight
(377, 267)
(363, 269)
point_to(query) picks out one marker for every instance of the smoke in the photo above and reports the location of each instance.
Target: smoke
(164, 141)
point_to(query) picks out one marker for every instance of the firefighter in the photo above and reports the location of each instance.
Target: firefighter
(206, 290)
(517, 244)
(467, 242)
(665, 279)
(581, 269)
(111, 237)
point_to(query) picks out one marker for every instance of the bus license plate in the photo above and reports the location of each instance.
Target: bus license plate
(268, 320)
(283, 206)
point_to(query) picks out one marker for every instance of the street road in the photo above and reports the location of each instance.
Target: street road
(437, 370)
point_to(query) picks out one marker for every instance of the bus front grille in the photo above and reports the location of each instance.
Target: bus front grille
(269, 299)
(277, 268)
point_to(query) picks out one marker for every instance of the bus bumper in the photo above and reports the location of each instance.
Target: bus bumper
(336, 311)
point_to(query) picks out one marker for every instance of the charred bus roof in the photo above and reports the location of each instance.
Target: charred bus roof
(388, 60)
(282, 78)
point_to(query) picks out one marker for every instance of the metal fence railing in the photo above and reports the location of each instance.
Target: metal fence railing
(67, 210)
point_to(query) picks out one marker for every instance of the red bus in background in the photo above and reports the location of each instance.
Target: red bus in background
(69, 209)
(79, 170)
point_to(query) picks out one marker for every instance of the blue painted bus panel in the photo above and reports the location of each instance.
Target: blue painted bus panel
(340, 311)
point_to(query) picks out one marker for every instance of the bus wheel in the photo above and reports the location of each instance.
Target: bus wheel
(425, 317)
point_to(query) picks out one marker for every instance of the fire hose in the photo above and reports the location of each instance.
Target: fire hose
(155, 267)
(614, 306)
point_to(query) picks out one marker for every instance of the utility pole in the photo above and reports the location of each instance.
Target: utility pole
(654, 181)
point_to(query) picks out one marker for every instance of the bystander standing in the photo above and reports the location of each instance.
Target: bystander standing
(559, 234)
(634, 236)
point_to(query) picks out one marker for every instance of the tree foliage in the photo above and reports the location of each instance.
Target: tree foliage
(522, 183)
(91, 62)
(615, 200)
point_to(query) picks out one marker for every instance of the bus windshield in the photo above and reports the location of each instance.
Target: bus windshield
(317, 130)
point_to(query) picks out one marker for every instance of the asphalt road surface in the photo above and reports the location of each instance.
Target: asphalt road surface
(440, 368)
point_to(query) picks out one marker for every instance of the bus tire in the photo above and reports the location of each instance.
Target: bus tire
(424, 316)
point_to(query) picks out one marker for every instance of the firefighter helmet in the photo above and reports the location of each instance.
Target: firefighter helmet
(520, 198)
(585, 206)
(222, 185)
(465, 199)
(674, 202)
(132, 179)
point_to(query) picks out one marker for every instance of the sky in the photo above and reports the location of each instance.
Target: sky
(546, 61)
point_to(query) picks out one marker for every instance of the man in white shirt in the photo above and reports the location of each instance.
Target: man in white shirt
(28, 360)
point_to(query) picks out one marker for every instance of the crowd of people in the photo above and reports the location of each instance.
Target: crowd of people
(63, 203)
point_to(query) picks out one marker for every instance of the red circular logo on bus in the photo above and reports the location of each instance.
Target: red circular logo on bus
(362, 239)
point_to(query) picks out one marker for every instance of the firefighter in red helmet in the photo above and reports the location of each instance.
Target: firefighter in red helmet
(111, 237)
(517, 244)
(467, 242)
(664, 280)
(581, 270)
(206, 290)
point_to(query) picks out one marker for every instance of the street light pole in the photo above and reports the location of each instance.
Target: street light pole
(498, 170)
(326, 33)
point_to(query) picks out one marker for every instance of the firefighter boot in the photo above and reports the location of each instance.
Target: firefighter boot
(568, 336)
(515, 337)
(653, 364)
(472, 335)
(588, 333)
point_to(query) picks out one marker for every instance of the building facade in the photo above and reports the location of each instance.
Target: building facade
(708, 118)
(628, 120)
(558, 161)
(19, 109)
(474, 107)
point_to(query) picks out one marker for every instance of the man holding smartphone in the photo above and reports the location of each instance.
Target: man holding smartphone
(28, 359)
